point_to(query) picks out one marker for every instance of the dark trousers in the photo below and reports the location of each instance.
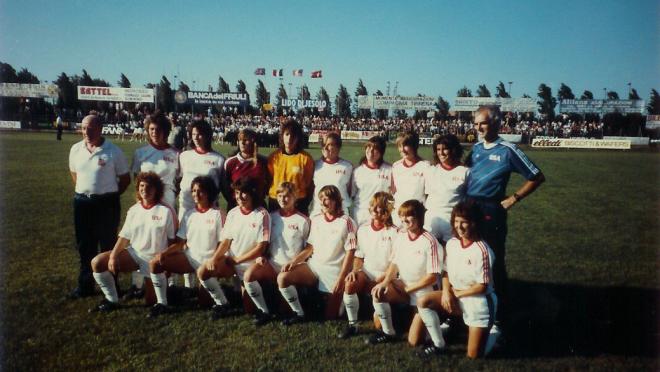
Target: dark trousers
(96, 219)
(494, 233)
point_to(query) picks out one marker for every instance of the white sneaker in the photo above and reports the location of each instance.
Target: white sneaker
(444, 327)
(493, 336)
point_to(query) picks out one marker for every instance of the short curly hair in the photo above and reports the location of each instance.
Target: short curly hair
(153, 180)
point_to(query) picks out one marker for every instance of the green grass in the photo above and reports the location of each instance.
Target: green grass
(582, 256)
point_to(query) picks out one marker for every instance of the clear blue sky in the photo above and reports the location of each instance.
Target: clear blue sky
(429, 47)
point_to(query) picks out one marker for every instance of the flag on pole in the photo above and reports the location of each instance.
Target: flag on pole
(317, 74)
(298, 72)
(260, 71)
(279, 72)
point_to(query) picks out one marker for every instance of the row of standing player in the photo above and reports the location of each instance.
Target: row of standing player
(394, 265)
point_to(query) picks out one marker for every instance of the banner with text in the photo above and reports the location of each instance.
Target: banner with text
(28, 90)
(212, 98)
(581, 143)
(602, 106)
(304, 103)
(10, 124)
(506, 104)
(652, 121)
(113, 94)
(396, 103)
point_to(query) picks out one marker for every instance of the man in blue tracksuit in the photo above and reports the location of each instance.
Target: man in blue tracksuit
(491, 162)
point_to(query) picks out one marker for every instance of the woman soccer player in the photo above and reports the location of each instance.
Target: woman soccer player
(467, 286)
(148, 230)
(199, 237)
(331, 245)
(445, 186)
(417, 261)
(332, 170)
(372, 257)
(290, 230)
(408, 173)
(247, 163)
(245, 237)
(371, 176)
(290, 163)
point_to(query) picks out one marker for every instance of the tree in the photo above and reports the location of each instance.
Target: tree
(587, 95)
(633, 94)
(653, 106)
(26, 77)
(322, 95)
(261, 95)
(483, 91)
(612, 95)
(381, 114)
(183, 86)
(223, 87)
(361, 90)
(124, 82)
(420, 114)
(343, 102)
(67, 97)
(565, 92)
(7, 73)
(241, 88)
(304, 94)
(525, 95)
(443, 108)
(501, 91)
(281, 96)
(547, 103)
(85, 79)
(165, 96)
(464, 92)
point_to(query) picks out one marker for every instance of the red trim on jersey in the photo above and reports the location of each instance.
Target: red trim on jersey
(147, 206)
(200, 151)
(304, 216)
(466, 245)
(328, 162)
(325, 216)
(161, 148)
(351, 229)
(243, 211)
(447, 167)
(366, 164)
(403, 161)
(417, 237)
(284, 214)
(266, 223)
(434, 251)
(486, 261)
(202, 210)
(374, 228)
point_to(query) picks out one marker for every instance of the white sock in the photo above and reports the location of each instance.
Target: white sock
(137, 279)
(107, 283)
(290, 294)
(352, 303)
(190, 280)
(257, 295)
(171, 281)
(213, 287)
(384, 312)
(160, 287)
(432, 323)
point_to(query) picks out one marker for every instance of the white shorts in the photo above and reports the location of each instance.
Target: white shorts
(438, 225)
(478, 311)
(242, 268)
(142, 262)
(327, 276)
(414, 296)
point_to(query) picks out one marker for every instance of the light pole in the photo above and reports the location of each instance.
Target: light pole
(629, 89)
(511, 82)
(176, 105)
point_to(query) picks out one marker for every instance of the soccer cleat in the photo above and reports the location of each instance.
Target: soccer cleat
(380, 338)
(220, 311)
(349, 331)
(261, 318)
(296, 319)
(104, 307)
(158, 310)
(133, 293)
(445, 327)
(429, 351)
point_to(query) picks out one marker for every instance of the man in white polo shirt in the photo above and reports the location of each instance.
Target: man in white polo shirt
(100, 174)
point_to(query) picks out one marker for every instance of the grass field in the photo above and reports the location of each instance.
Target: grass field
(582, 257)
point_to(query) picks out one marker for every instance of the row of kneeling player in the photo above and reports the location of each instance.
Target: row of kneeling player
(394, 265)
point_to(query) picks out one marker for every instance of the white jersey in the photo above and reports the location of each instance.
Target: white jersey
(97, 172)
(289, 236)
(469, 265)
(365, 183)
(408, 181)
(164, 162)
(193, 164)
(337, 174)
(445, 187)
(202, 232)
(246, 229)
(331, 239)
(149, 229)
(375, 246)
(417, 258)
